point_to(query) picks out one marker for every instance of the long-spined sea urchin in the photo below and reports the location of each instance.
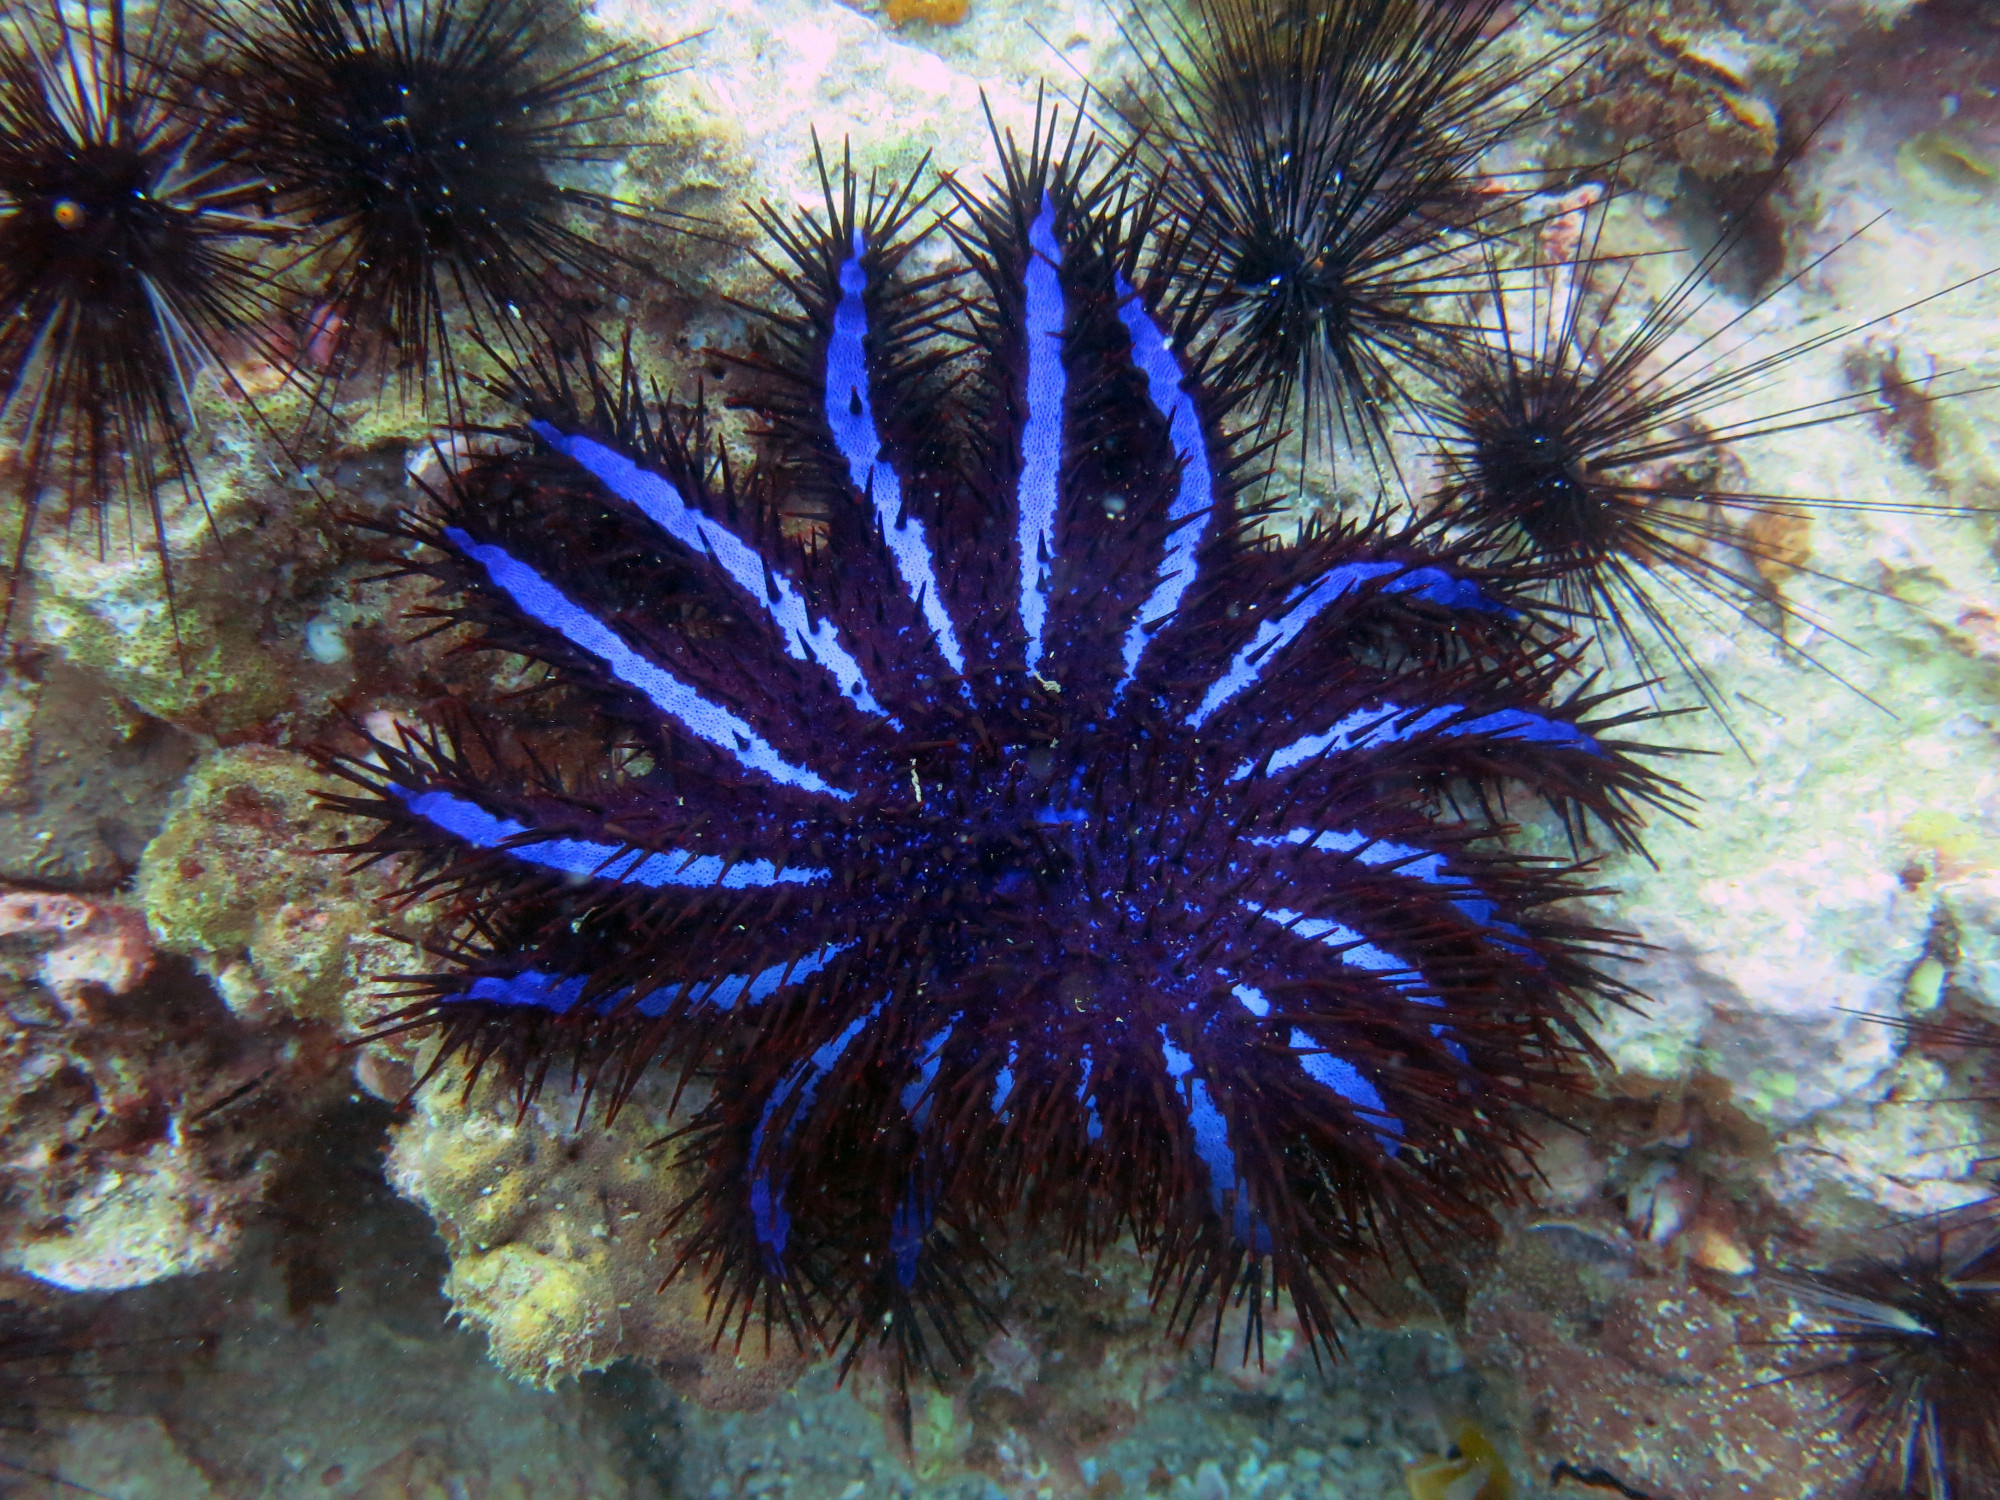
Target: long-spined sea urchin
(422, 146)
(1327, 164)
(1598, 441)
(128, 260)
(1912, 1360)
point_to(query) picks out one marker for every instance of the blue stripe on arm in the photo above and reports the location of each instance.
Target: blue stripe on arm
(850, 416)
(910, 1225)
(1211, 1145)
(1331, 1071)
(557, 994)
(1211, 1131)
(1440, 587)
(1003, 1081)
(1354, 949)
(532, 989)
(916, 1096)
(1519, 724)
(1362, 729)
(583, 857)
(1040, 488)
(756, 988)
(1252, 999)
(1272, 636)
(1311, 599)
(542, 601)
(1336, 1073)
(1093, 1127)
(1187, 516)
(1359, 954)
(770, 1219)
(1414, 863)
(805, 638)
(1391, 724)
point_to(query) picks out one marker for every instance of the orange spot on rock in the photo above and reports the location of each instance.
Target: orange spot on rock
(936, 12)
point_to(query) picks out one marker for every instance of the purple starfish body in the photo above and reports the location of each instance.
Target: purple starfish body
(1005, 824)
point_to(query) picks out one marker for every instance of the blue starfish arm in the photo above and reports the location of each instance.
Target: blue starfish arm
(1038, 498)
(558, 994)
(788, 1102)
(1190, 514)
(592, 859)
(699, 714)
(848, 410)
(855, 438)
(1391, 724)
(1331, 1071)
(1208, 1132)
(807, 638)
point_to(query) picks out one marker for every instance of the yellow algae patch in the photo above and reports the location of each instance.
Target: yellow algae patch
(1947, 166)
(1472, 1470)
(1715, 1249)
(540, 1314)
(1925, 986)
(936, 12)
(1957, 844)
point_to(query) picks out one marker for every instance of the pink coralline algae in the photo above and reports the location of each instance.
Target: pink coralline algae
(92, 947)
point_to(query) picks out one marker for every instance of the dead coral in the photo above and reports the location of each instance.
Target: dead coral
(139, 1119)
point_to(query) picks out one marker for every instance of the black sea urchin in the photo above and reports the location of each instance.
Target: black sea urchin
(1325, 160)
(421, 144)
(37, 1381)
(1000, 825)
(1913, 1361)
(58, 1366)
(128, 244)
(1597, 442)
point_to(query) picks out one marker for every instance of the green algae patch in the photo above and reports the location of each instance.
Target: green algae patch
(251, 571)
(238, 880)
(19, 697)
(938, 1437)
(101, 599)
(1770, 1091)
(219, 678)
